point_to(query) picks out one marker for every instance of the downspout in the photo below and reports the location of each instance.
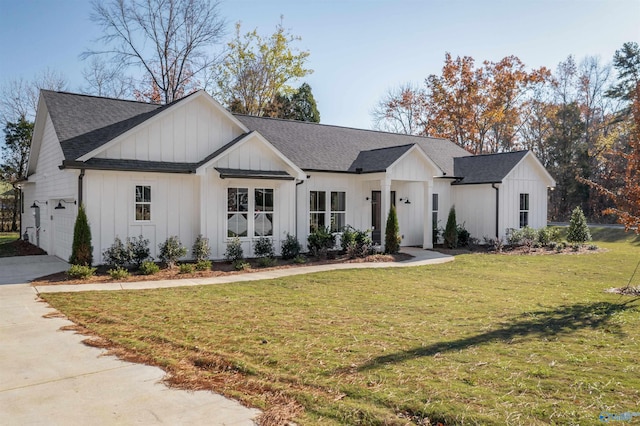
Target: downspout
(493, 185)
(80, 187)
(296, 208)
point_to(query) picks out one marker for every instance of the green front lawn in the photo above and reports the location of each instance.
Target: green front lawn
(487, 339)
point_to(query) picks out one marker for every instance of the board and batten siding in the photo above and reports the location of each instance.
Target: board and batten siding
(110, 200)
(475, 209)
(188, 133)
(51, 184)
(524, 179)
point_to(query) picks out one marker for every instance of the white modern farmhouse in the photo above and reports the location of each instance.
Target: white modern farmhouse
(191, 168)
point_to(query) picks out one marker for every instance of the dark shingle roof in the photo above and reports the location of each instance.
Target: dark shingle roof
(83, 123)
(490, 168)
(331, 148)
(378, 160)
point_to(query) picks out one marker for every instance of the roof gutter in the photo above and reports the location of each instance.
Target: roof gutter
(493, 185)
(80, 177)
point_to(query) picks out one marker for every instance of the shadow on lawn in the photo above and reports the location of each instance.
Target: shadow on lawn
(562, 320)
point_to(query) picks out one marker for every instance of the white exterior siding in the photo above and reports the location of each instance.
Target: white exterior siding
(188, 133)
(110, 200)
(523, 179)
(476, 209)
(51, 184)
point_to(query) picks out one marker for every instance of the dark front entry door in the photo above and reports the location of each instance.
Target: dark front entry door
(376, 214)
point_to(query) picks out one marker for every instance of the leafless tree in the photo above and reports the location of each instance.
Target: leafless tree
(401, 110)
(167, 39)
(104, 79)
(19, 97)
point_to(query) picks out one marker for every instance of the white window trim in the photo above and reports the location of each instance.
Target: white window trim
(327, 207)
(150, 203)
(251, 211)
(527, 209)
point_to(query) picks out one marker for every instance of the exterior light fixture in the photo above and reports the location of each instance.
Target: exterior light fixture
(36, 202)
(61, 207)
(406, 200)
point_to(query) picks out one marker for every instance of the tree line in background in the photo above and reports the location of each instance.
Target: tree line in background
(581, 121)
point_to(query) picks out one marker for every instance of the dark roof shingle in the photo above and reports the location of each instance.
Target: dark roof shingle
(489, 168)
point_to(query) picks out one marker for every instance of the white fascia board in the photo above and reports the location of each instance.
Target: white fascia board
(551, 183)
(38, 133)
(424, 156)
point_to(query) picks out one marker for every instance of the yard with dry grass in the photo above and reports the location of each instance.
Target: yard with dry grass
(487, 339)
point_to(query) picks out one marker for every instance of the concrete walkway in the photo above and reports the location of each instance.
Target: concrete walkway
(420, 258)
(21, 269)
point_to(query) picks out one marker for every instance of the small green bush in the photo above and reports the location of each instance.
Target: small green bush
(186, 268)
(118, 273)
(320, 241)
(234, 252)
(138, 249)
(203, 265)
(592, 247)
(201, 250)
(116, 256)
(263, 247)
(290, 247)
(356, 243)
(548, 235)
(81, 271)
(348, 237)
(392, 233)
(241, 265)
(463, 236)
(149, 268)
(578, 230)
(299, 259)
(451, 230)
(267, 262)
(171, 250)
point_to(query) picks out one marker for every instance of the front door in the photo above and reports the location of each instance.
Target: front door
(376, 214)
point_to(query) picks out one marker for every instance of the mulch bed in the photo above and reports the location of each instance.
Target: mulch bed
(517, 251)
(218, 269)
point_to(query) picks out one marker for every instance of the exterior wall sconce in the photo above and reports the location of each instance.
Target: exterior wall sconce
(405, 200)
(367, 198)
(61, 207)
(36, 202)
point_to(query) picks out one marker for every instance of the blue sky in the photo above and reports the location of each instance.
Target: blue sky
(359, 48)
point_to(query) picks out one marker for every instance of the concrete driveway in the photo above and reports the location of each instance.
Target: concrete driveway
(48, 377)
(22, 269)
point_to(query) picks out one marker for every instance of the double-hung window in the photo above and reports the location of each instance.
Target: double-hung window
(524, 210)
(317, 209)
(338, 211)
(434, 215)
(335, 210)
(263, 212)
(143, 203)
(237, 208)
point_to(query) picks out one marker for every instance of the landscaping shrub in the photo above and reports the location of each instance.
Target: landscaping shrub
(171, 250)
(118, 273)
(187, 268)
(81, 250)
(149, 268)
(290, 247)
(392, 233)
(138, 249)
(203, 265)
(81, 271)
(117, 255)
(357, 243)
(267, 262)
(201, 250)
(263, 247)
(234, 252)
(578, 230)
(463, 236)
(241, 265)
(548, 235)
(451, 230)
(494, 244)
(320, 241)
(526, 236)
(299, 259)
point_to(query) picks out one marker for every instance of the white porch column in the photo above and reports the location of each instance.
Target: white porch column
(204, 190)
(385, 204)
(427, 238)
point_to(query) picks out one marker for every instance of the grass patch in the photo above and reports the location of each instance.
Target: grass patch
(7, 249)
(486, 339)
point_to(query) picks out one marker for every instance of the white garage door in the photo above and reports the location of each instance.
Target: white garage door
(63, 223)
